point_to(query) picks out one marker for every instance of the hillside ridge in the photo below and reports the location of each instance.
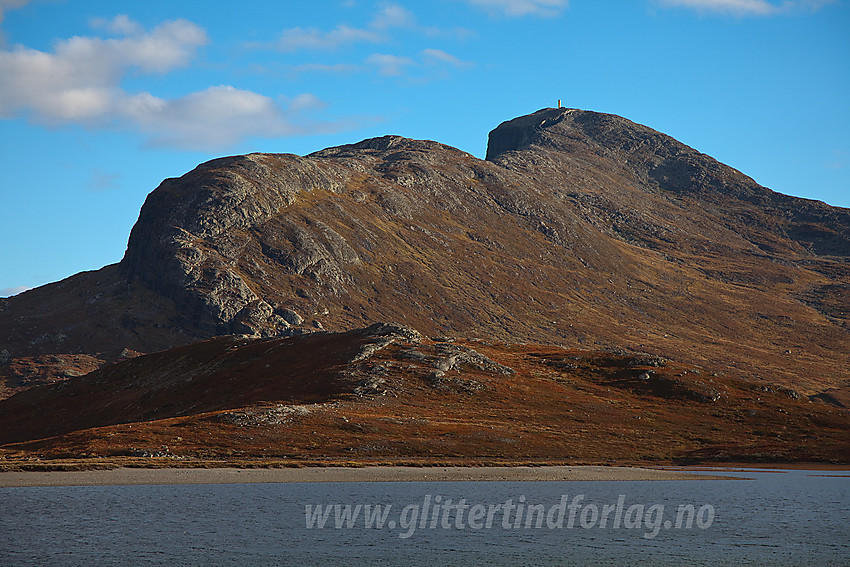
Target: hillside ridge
(580, 229)
(385, 394)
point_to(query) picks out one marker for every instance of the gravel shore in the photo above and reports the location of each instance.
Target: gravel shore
(134, 476)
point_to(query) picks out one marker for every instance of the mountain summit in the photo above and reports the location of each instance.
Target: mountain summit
(580, 229)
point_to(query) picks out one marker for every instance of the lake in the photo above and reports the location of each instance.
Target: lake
(778, 518)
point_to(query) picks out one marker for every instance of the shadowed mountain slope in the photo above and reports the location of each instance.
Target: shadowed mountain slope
(385, 394)
(581, 229)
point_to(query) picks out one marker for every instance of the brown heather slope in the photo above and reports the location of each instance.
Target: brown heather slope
(580, 229)
(386, 395)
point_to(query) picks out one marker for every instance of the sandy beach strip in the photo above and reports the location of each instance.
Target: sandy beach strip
(141, 476)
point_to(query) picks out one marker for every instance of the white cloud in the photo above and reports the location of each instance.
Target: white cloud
(323, 68)
(457, 33)
(80, 82)
(295, 39)
(9, 5)
(390, 16)
(390, 65)
(216, 117)
(119, 25)
(515, 8)
(431, 64)
(432, 56)
(10, 291)
(749, 7)
(306, 101)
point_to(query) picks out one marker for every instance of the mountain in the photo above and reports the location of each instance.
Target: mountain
(385, 394)
(580, 229)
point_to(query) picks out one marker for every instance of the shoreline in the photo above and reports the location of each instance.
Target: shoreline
(159, 476)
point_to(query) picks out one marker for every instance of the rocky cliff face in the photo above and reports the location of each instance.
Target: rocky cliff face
(580, 229)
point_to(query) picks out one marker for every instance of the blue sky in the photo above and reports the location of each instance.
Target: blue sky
(102, 100)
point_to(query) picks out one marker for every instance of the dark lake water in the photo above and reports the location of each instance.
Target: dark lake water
(778, 518)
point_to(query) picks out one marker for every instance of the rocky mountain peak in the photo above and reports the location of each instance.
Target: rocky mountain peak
(519, 133)
(580, 228)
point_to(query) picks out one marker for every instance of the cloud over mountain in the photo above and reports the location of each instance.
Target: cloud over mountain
(80, 82)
